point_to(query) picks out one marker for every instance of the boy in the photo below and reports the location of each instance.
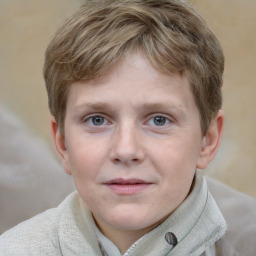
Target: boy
(134, 91)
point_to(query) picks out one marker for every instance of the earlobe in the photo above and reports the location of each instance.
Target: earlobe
(211, 141)
(60, 145)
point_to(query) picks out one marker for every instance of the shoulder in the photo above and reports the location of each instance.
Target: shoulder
(239, 211)
(38, 234)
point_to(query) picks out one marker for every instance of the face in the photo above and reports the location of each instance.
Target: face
(132, 142)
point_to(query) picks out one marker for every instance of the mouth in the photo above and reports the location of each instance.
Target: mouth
(127, 186)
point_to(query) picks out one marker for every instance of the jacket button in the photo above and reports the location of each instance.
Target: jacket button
(171, 238)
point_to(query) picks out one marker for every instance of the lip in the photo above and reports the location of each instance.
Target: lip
(127, 186)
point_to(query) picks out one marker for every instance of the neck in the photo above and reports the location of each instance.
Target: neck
(122, 238)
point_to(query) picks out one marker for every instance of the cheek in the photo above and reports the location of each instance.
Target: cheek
(86, 158)
(170, 154)
(84, 172)
(176, 174)
(175, 161)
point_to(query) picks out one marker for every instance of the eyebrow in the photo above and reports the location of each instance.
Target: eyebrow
(95, 106)
(148, 106)
(162, 105)
(170, 106)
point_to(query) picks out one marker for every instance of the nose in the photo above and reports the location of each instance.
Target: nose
(127, 146)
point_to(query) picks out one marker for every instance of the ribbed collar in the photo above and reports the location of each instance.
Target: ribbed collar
(196, 224)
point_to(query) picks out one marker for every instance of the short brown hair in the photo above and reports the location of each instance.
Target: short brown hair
(171, 33)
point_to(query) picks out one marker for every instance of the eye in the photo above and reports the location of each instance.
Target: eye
(158, 121)
(96, 121)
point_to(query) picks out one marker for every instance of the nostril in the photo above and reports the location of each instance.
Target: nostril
(127, 161)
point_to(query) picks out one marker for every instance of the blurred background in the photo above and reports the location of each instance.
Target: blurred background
(26, 27)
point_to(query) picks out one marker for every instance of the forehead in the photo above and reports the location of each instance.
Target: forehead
(133, 80)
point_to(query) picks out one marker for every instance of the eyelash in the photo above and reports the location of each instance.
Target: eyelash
(149, 121)
(160, 118)
(89, 120)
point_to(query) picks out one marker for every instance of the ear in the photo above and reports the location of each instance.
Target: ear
(60, 145)
(211, 141)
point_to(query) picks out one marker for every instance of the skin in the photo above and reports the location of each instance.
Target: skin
(133, 122)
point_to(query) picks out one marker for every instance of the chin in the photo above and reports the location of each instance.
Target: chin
(132, 220)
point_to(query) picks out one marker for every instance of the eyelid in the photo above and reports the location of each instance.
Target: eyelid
(168, 117)
(89, 116)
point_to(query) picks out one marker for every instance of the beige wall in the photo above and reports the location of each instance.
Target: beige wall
(26, 27)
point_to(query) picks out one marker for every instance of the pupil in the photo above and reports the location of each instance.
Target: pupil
(159, 120)
(98, 120)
